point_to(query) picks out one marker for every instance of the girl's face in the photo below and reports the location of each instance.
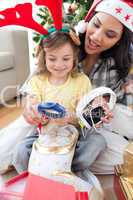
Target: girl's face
(103, 32)
(59, 61)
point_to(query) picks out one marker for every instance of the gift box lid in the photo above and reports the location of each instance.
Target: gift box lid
(47, 189)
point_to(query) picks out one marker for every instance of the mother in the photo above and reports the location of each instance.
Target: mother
(106, 59)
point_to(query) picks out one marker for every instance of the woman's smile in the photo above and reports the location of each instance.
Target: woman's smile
(92, 45)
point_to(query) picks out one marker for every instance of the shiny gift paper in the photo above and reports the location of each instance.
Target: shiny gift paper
(128, 163)
(122, 184)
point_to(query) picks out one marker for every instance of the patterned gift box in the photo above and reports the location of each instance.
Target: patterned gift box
(123, 186)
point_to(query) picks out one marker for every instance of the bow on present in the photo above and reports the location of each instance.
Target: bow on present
(82, 196)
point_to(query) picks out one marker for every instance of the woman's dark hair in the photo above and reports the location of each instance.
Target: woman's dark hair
(121, 52)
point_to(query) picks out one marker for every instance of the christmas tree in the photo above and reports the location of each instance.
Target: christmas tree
(76, 10)
(73, 12)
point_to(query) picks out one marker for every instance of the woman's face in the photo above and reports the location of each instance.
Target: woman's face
(103, 32)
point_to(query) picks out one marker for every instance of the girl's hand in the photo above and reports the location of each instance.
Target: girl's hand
(31, 114)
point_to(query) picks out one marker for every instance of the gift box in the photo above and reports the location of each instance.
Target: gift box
(21, 187)
(48, 189)
(14, 188)
(128, 162)
(122, 185)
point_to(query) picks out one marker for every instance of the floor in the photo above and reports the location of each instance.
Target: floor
(9, 114)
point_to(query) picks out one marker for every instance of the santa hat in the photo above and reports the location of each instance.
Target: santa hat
(120, 9)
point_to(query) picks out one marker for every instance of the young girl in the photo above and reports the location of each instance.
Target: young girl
(57, 80)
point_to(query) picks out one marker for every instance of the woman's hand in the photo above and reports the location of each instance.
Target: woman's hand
(102, 101)
(128, 87)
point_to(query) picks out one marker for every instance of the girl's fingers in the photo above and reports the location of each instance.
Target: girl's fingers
(30, 120)
(31, 115)
(34, 112)
(44, 120)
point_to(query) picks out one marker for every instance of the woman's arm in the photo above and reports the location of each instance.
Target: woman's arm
(125, 96)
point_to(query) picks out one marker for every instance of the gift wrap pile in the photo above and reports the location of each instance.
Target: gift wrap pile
(124, 174)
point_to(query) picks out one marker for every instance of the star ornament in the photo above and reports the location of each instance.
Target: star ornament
(127, 17)
(118, 10)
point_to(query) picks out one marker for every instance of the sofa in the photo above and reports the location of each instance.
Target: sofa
(14, 61)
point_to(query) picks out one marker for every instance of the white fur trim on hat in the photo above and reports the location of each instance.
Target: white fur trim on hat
(81, 27)
(118, 9)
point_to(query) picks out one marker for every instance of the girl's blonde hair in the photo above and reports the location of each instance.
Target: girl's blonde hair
(53, 41)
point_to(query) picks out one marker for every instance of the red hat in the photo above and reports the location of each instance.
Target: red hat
(120, 9)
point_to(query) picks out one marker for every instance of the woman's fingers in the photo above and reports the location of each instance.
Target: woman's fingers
(99, 124)
(128, 87)
(107, 118)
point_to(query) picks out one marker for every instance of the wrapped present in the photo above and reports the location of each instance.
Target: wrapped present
(48, 189)
(21, 187)
(128, 163)
(52, 156)
(122, 185)
(50, 175)
(127, 188)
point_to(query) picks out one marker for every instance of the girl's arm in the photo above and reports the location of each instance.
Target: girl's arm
(30, 113)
